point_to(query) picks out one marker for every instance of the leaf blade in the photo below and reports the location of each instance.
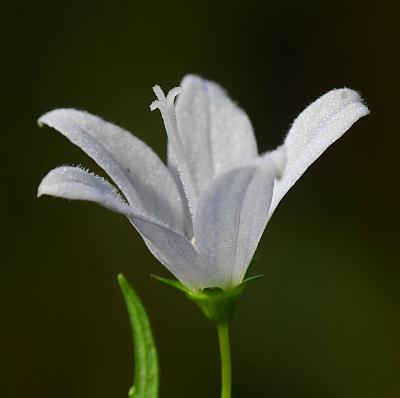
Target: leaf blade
(146, 372)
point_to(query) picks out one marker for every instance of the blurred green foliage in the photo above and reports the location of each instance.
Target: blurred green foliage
(324, 323)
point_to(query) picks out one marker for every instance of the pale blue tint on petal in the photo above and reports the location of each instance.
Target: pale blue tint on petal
(138, 172)
(230, 219)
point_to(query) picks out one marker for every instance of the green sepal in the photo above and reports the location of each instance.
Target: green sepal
(171, 282)
(252, 279)
(217, 304)
(146, 373)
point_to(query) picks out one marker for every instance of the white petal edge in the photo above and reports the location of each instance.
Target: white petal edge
(313, 131)
(77, 184)
(138, 172)
(231, 216)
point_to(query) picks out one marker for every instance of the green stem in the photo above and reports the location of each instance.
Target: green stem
(226, 367)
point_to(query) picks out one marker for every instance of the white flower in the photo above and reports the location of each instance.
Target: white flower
(204, 214)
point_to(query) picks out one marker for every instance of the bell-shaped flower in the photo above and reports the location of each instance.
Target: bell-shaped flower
(203, 215)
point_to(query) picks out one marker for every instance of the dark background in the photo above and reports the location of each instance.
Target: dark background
(324, 322)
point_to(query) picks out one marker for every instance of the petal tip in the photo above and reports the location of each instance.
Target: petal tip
(354, 97)
(43, 119)
(191, 78)
(41, 190)
(49, 117)
(350, 96)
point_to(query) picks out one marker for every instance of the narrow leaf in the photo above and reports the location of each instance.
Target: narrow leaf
(171, 282)
(252, 279)
(146, 374)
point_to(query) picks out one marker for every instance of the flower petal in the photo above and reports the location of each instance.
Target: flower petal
(139, 173)
(216, 134)
(313, 131)
(77, 184)
(172, 250)
(170, 247)
(230, 219)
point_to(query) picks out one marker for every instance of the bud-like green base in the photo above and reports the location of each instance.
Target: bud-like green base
(217, 304)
